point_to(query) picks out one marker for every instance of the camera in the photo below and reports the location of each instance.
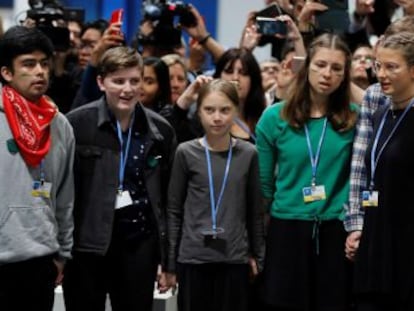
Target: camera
(50, 17)
(166, 11)
(163, 14)
(269, 26)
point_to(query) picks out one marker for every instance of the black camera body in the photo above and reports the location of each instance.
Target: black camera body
(47, 14)
(165, 11)
(166, 33)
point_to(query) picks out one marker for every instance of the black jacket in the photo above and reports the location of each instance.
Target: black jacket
(96, 172)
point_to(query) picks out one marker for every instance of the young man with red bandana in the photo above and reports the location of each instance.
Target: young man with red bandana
(36, 179)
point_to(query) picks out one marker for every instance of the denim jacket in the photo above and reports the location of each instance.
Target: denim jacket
(96, 173)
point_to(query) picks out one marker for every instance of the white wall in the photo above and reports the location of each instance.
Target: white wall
(232, 17)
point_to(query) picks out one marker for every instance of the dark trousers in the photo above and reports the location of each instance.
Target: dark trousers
(213, 287)
(28, 285)
(127, 273)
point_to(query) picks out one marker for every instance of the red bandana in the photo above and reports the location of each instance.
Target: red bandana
(29, 124)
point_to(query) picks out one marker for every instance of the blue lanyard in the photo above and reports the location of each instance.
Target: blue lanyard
(374, 161)
(42, 172)
(315, 159)
(215, 205)
(245, 128)
(124, 155)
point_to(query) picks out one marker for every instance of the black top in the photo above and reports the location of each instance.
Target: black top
(384, 262)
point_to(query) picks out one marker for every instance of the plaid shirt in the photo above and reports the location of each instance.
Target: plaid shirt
(374, 98)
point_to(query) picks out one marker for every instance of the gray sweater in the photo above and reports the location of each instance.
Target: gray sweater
(32, 226)
(189, 212)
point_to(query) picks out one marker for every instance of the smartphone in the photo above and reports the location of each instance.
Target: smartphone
(117, 16)
(297, 63)
(269, 26)
(272, 10)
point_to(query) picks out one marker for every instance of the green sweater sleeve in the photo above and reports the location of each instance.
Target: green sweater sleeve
(267, 131)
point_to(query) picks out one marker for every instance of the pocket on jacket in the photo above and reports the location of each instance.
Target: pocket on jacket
(88, 159)
(28, 230)
(89, 151)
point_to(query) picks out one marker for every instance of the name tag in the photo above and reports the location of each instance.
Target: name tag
(123, 199)
(369, 198)
(312, 194)
(41, 189)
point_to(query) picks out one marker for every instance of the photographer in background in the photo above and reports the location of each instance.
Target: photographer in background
(159, 35)
(52, 19)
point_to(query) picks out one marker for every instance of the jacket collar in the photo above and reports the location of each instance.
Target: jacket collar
(143, 119)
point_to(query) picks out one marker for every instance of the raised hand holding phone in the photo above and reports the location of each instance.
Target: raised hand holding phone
(117, 17)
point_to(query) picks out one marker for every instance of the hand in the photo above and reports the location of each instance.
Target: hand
(199, 31)
(191, 92)
(59, 267)
(364, 7)
(250, 38)
(111, 37)
(293, 32)
(306, 16)
(172, 281)
(352, 244)
(254, 270)
(162, 282)
(146, 28)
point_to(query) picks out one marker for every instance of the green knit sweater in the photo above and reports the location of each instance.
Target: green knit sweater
(285, 148)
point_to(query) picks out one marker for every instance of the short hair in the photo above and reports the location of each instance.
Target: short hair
(172, 59)
(99, 24)
(405, 24)
(19, 40)
(221, 86)
(403, 42)
(116, 58)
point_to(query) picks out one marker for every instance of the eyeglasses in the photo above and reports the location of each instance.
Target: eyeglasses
(319, 67)
(363, 58)
(270, 68)
(389, 68)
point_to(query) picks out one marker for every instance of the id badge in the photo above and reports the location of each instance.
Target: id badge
(369, 198)
(312, 194)
(41, 189)
(123, 199)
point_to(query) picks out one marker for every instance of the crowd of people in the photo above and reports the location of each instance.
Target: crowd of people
(280, 185)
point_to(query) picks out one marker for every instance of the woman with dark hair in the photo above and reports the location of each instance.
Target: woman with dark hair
(240, 67)
(309, 139)
(155, 92)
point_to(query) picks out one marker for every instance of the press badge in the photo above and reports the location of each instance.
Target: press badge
(41, 189)
(314, 193)
(123, 199)
(369, 198)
